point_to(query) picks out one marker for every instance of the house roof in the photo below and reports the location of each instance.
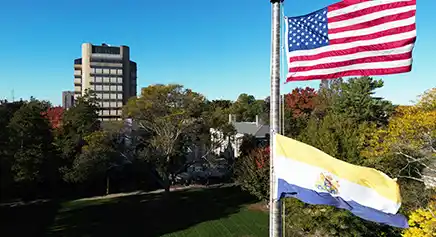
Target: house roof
(251, 128)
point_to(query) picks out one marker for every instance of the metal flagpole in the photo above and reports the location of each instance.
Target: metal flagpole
(275, 226)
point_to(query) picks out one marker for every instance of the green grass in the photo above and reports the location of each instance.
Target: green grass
(210, 212)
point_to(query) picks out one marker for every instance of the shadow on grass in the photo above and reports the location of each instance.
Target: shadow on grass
(147, 215)
(27, 220)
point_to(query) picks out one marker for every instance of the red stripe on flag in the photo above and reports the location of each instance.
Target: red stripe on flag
(370, 10)
(375, 22)
(386, 58)
(366, 72)
(393, 31)
(343, 4)
(368, 48)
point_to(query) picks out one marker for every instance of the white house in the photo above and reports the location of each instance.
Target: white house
(232, 144)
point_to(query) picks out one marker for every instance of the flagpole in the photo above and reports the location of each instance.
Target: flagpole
(275, 223)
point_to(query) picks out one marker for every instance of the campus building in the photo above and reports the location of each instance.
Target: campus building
(108, 72)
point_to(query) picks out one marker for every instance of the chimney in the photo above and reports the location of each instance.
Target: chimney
(257, 120)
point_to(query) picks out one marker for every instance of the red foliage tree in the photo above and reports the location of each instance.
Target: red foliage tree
(262, 157)
(54, 115)
(301, 101)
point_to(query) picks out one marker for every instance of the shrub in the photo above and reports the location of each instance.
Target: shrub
(252, 173)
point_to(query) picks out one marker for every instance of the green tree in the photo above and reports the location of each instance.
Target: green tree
(246, 107)
(32, 144)
(168, 113)
(7, 111)
(98, 158)
(252, 173)
(219, 104)
(77, 122)
(355, 99)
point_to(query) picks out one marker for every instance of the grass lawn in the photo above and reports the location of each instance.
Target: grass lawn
(208, 212)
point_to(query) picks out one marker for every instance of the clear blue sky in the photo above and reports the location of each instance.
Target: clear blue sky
(220, 48)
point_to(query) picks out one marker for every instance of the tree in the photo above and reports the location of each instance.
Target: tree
(409, 140)
(7, 111)
(97, 159)
(301, 101)
(422, 222)
(32, 143)
(77, 122)
(54, 115)
(252, 173)
(355, 99)
(299, 105)
(427, 101)
(246, 107)
(343, 114)
(213, 131)
(219, 104)
(248, 144)
(167, 112)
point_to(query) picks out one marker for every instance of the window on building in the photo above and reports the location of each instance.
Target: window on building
(105, 49)
(119, 80)
(105, 96)
(106, 79)
(113, 88)
(99, 71)
(119, 88)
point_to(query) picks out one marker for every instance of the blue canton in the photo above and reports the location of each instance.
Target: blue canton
(309, 31)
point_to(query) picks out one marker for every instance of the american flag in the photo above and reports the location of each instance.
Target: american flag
(351, 38)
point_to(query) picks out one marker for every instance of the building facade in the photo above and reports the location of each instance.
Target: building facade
(67, 99)
(107, 72)
(230, 146)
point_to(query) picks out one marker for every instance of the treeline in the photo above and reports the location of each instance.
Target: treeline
(48, 152)
(346, 120)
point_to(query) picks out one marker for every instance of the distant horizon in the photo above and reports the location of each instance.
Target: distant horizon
(411, 102)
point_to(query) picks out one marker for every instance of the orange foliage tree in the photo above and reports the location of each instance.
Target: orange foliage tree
(54, 115)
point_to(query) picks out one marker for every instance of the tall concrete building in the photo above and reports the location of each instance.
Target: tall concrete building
(108, 72)
(67, 99)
